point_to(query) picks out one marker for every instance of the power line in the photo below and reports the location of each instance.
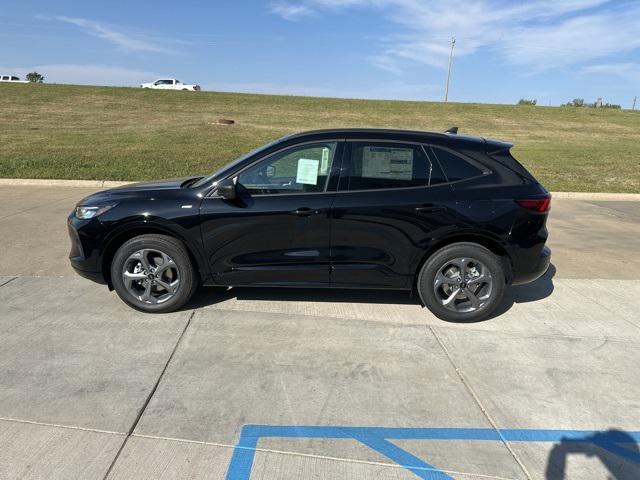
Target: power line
(446, 90)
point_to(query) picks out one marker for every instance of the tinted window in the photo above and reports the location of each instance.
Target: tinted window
(387, 165)
(454, 165)
(15, 78)
(301, 169)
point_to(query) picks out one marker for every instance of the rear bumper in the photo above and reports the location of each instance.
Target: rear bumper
(534, 270)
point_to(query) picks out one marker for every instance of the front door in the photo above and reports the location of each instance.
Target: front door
(277, 231)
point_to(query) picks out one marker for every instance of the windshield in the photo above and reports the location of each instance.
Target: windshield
(230, 166)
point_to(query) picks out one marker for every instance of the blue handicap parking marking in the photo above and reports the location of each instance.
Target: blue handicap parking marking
(380, 439)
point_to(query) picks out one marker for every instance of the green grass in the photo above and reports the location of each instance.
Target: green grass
(106, 133)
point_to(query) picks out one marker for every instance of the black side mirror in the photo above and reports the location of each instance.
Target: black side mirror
(227, 189)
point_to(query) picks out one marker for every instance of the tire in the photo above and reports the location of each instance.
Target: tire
(479, 293)
(173, 278)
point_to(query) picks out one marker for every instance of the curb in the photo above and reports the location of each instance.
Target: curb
(625, 197)
(36, 182)
(628, 197)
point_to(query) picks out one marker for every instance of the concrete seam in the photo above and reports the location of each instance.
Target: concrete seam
(150, 396)
(57, 425)
(5, 283)
(309, 455)
(481, 406)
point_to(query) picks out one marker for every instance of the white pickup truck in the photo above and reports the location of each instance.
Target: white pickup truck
(170, 84)
(11, 79)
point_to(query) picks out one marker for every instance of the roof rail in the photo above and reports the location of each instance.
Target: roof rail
(452, 130)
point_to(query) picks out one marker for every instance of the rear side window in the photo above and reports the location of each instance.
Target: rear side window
(455, 167)
(381, 165)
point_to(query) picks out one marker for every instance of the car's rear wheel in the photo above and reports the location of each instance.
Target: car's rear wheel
(462, 282)
(153, 273)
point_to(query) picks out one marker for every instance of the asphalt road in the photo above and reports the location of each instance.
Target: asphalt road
(268, 384)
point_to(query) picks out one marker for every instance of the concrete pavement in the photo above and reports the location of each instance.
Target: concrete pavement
(92, 389)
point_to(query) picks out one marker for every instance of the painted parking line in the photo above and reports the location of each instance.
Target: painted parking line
(379, 439)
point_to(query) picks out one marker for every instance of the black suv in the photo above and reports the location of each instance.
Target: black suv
(455, 218)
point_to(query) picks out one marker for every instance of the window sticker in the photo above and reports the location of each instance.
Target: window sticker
(307, 171)
(324, 163)
(384, 162)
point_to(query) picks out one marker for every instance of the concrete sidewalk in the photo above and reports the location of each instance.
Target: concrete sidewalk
(90, 389)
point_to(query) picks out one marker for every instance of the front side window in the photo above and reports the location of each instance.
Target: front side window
(5, 77)
(455, 167)
(380, 165)
(300, 169)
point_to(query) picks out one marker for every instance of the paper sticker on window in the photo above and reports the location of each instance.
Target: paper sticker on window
(307, 171)
(384, 162)
(324, 163)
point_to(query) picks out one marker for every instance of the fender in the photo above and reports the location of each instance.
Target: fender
(140, 225)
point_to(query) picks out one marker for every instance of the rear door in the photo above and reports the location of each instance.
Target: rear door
(392, 201)
(277, 232)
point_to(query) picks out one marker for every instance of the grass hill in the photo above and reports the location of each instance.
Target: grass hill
(106, 133)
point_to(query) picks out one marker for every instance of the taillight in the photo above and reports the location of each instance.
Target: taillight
(540, 205)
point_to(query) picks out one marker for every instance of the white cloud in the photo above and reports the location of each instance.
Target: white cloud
(290, 11)
(628, 70)
(85, 74)
(537, 34)
(115, 35)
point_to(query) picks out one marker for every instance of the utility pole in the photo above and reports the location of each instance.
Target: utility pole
(446, 90)
(634, 102)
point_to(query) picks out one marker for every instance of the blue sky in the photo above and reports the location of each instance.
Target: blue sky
(551, 50)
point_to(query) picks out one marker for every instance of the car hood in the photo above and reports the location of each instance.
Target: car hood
(166, 184)
(137, 190)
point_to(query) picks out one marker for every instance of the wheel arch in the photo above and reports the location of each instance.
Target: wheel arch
(484, 240)
(129, 231)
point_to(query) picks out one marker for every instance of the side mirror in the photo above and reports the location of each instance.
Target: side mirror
(227, 189)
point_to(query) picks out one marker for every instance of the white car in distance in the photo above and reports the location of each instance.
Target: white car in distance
(11, 79)
(170, 84)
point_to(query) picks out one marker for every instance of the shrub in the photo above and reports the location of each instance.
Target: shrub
(35, 77)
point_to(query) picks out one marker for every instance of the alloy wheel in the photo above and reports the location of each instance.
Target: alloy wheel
(150, 276)
(463, 285)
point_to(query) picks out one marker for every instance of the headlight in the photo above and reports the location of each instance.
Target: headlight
(85, 213)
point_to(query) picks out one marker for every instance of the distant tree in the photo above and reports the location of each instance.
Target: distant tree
(576, 102)
(610, 105)
(525, 101)
(35, 77)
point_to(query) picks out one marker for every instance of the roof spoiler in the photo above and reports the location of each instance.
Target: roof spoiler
(452, 131)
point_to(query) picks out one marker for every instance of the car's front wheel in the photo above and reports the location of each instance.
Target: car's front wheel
(462, 282)
(153, 273)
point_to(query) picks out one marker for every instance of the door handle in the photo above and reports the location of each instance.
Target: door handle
(429, 209)
(305, 212)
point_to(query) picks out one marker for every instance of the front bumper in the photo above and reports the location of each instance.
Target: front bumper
(534, 270)
(83, 255)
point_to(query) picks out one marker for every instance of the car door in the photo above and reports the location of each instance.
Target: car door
(392, 201)
(277, 232)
